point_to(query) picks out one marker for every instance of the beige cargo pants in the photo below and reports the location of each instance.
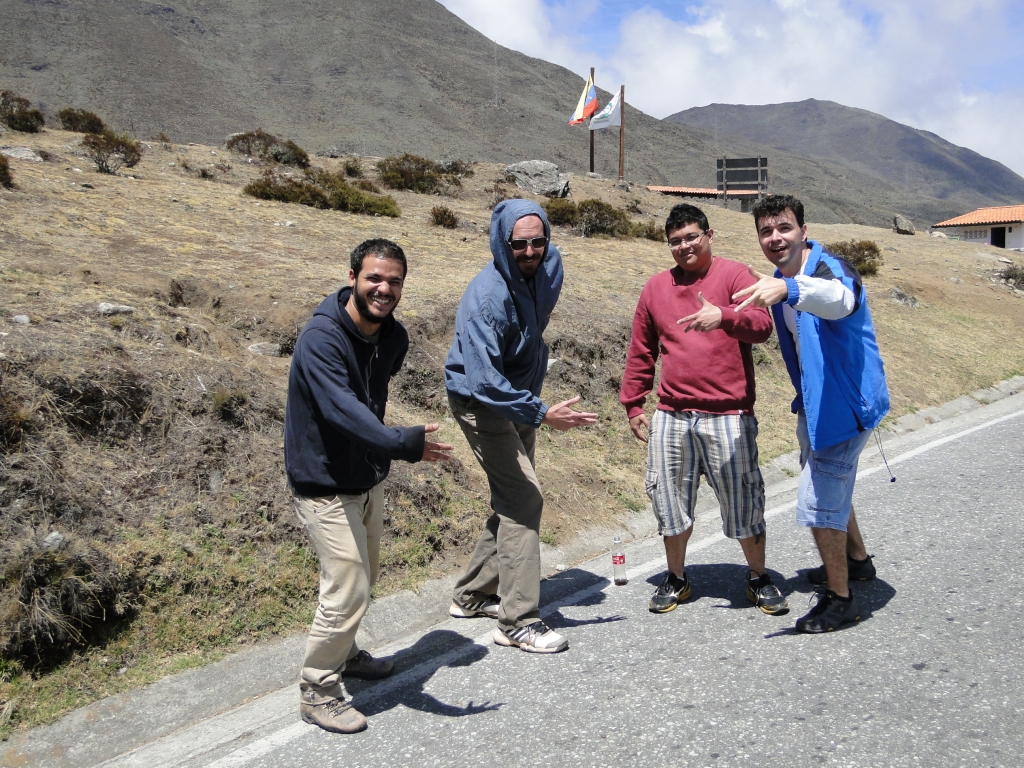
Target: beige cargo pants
(345, 531)
(506, 561)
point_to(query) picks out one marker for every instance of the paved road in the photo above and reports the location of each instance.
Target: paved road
(931, 676)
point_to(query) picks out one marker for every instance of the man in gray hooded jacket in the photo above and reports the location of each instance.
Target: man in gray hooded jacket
(494, 374)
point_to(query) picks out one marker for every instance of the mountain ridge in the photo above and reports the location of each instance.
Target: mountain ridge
(376, 80)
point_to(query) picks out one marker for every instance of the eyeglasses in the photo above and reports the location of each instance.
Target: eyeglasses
(685, 242)
(538, 243)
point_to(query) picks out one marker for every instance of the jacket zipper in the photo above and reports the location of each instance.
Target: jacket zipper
(369, 375)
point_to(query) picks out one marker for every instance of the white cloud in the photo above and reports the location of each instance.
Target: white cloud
(915, 61)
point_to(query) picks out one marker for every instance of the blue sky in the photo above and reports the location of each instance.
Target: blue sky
(954, 67)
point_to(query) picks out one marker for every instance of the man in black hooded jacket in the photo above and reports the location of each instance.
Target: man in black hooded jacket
(337, 453)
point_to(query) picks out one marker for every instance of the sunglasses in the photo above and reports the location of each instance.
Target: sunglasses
(520, 245)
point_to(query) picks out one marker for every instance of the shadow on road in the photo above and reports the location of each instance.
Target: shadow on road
(439, 643)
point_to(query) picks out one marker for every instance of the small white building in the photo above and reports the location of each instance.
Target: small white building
(1002, 226)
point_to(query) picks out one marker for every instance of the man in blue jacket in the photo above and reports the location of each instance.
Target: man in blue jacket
(494, 374)
(337, 452)
(828, 342)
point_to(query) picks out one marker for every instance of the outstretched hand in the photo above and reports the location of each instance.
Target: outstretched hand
(707, 318)
(638, 424)
(562, 417)
(435, 451)
(764, 293)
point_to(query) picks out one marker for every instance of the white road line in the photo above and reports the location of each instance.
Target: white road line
(291, 732)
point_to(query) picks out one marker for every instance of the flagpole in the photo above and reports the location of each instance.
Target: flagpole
(592, 133)
(622, 132)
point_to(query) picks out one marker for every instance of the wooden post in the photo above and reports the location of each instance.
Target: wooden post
(592, 133)
(622, 132)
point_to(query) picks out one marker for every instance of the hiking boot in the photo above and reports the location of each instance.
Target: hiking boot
(763, 593)
(485, 605)
(859, 570)
(335, 715)
(533, 638)
(672, 591)
(829, 613)
(368, 668)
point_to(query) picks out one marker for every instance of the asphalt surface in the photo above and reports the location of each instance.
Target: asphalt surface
(929, 676)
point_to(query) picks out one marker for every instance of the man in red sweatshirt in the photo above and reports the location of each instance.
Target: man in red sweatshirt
(704, 423)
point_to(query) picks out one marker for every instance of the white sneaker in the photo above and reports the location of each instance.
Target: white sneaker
(533, 638)
(487, 606)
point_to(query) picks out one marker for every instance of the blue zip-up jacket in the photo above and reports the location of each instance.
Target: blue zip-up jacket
(838, 376)
(335, 440)
(498, 355)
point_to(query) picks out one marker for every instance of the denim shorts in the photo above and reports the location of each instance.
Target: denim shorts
(826, 480)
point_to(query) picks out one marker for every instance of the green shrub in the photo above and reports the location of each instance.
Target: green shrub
(498, 193)
(17, 114)
(596, 217)
(353, 168)
(289, 153)
(321, 189)
(864, 255)
(419, 174)
(561, 212)
(6, 180)
(80, 121)
(1013, 274)
(650, 230)
(443, 216)
(110, 151)
(269, 147)
(367, 186)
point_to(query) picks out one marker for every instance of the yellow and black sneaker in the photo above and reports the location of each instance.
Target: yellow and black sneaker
(763, 593)
(672, 591)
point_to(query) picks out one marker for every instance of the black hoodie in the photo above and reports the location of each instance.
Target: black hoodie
(335, 440)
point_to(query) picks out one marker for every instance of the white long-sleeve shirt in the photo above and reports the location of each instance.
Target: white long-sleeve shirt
(825, 298)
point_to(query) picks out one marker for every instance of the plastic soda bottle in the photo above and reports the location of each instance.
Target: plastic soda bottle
(619, 562)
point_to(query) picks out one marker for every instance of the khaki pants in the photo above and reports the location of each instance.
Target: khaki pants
(506, 560)
(345, 531)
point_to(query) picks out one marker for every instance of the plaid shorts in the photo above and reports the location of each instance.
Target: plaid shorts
(683, 445)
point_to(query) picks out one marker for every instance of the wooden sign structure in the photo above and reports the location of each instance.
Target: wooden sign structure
(743, 175)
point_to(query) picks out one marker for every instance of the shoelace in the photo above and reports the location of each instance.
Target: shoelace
(336, 707)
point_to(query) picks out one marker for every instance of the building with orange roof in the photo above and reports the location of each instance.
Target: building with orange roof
(1001, 226)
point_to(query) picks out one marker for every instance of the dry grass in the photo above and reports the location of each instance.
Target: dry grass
(154, 439)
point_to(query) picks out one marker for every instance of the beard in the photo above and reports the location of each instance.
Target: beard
(364, 310)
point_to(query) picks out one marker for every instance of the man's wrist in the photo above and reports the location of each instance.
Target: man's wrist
(792, 290)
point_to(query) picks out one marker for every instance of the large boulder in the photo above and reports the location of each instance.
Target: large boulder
(902, 225)
(21, 153)
(539, 177)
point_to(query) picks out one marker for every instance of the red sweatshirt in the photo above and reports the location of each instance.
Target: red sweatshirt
(711, 372)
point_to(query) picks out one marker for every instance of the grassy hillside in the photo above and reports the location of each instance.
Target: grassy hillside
(150, 442)
(377, 78)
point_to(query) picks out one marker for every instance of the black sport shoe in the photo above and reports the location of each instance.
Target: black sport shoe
(363, 665)
(669, 593)
(829, 613)
(859, 570)
(763, 593)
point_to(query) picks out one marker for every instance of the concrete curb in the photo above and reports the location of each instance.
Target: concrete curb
(118, 724)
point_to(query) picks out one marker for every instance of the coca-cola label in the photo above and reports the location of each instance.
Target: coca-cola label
(618, 559)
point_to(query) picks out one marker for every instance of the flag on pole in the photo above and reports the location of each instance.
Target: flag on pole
(610, 116)
(587, 105)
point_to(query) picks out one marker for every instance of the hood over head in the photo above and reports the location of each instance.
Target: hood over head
(506, 214)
